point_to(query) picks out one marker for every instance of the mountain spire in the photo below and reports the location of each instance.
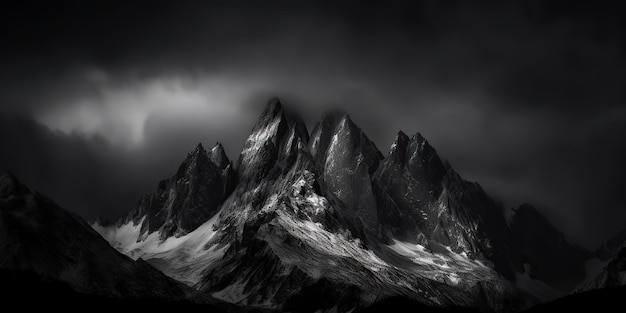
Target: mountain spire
(398, 149)
(322, 133)
(274, 135)
(200, 148)
(218, 156)
(272, 109)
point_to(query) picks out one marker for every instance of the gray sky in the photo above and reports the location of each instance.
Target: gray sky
(99, 101)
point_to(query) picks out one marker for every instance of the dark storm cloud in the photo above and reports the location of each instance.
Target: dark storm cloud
(527, 98)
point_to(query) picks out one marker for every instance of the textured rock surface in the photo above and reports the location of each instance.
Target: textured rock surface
(189, 198)
(350, 160)
(423, 200)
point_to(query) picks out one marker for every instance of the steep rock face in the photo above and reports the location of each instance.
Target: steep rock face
(423, 200)
(277, 191)
(549, 256)
(322, 135)
(38, 236)
(407, 184)
(349, 161)
(262, 147)
(218, 156)
(188, 199)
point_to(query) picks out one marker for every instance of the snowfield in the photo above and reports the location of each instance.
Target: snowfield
(182, 258)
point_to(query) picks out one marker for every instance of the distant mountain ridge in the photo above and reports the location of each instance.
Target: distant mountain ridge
(38, 236)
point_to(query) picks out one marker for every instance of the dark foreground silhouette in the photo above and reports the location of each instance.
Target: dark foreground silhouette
(27, 290)
(611, 299)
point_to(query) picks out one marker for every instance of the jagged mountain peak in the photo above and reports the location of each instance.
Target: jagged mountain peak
(196, 161)
(297, 123)
(273, 108)
(423, 160)
(218, 148)
(413, 145)
(398, 148)
(346, 123)
(322, 133)
(401, 136)
(348, 138)
(419, 198)
(418, 144)
(217, 154)
(348, 163)
(275, 135)
(200, 148)
(185, 200)
(331, 118)
(419, 138)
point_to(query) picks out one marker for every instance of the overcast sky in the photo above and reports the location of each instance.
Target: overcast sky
(99, 101)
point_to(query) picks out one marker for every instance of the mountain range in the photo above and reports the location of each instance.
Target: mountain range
(306, 222)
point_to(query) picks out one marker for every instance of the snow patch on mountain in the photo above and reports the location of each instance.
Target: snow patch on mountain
(444, 264)
(258, 138)
(183, 258)
(120, 237)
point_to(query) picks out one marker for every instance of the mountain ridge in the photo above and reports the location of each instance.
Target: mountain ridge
(299, 187)
(324, 221)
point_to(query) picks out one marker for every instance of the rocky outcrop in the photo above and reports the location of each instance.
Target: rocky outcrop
(187, 199)
(422, 199)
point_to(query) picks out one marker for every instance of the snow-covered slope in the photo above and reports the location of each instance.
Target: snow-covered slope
(182, 258)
